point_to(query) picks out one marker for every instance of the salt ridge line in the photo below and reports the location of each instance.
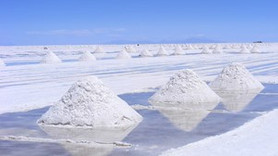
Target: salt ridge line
(62, 141)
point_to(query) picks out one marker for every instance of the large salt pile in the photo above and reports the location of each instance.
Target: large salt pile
(87, 56)
(50, 58)
(255, 49)
(2, 63)
(206, 50)
(98, 50)
(244, 50)
(184, 87)
(162, 52)
(145, 53)
(235, 77)
(90, 103)
(178, 50)
(123, 55)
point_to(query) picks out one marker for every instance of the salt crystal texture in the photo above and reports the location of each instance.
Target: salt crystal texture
(145, 53)
(89, 103)
(50, 58)
(185, 87)
(87, 56)
(235, 77)
(123, 55)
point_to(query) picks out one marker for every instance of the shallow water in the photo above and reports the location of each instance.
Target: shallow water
(160, 130)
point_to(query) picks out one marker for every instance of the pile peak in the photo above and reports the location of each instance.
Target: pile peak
(87, 56)
(90, 103)
(244, 50)
(185, 87)
(162, 52)
(50, 58)
(98, 50)
(255, 49)
(235, 77)
(123, 55)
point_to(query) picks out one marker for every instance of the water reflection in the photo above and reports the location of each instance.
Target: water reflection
(104, 136)
(238, 100)
(185, 116)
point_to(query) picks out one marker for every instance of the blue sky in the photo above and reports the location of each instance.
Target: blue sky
(37, 22)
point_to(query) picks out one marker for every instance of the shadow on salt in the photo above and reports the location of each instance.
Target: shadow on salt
(89, 141)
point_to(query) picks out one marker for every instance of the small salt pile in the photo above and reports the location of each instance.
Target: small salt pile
(145, 53)
(206, 50)
(185, 87)
(130, 49)
(190, 47)
(123, 55)
(90, 103)
(235, 77)
(50, 58)
(87, 56)
(178, 50)
(217, 50)
(2, 63)
(98, 50)
(244, 50)
(162, 52)
(255, 49)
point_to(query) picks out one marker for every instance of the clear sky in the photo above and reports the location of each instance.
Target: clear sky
(33, 22)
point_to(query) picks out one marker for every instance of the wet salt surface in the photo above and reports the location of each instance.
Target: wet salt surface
(156, 133)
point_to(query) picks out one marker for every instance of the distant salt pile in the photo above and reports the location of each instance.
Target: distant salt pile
(90, 103)
(244, 50)
(98, 50)
(2, 63)
(255, 49)
(87, 56)
(123, 55)
(206, 50)
(130, 49)
(190, 47)
(162, 52)
(50, 58)
(178, 50)
(235, 77)
(184, 87)
(217, 50)
(145, 53)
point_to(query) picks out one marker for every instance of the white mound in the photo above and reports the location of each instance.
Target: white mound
(145, 53)
(235, 77)
(123, 55)
(244, 50)
(255, 49)
(162, 52)
(130, 49)
(87, 56)
(190, 47)
(178, 50)
(206, 50)
(90, 103)
(98, 50)
(185, 87)
(217, 50)
(2, 63)
(50, 58)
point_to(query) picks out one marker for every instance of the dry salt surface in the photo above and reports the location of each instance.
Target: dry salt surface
(28, 88)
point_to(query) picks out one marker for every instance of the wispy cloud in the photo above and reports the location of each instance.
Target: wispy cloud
(82, 32)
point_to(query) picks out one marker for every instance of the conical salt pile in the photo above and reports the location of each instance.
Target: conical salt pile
(2, 63)
(217, 50)
(190, 47)
(162, 52)
(98, 50)
(206, 50)
(255, 49)
(145, 53)
(50, 58)
(123, 55)
(235, 77)
(130, 49)
(87, 56)
(185, 87)
(90, 103)
(244, 50)
(178, 50)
